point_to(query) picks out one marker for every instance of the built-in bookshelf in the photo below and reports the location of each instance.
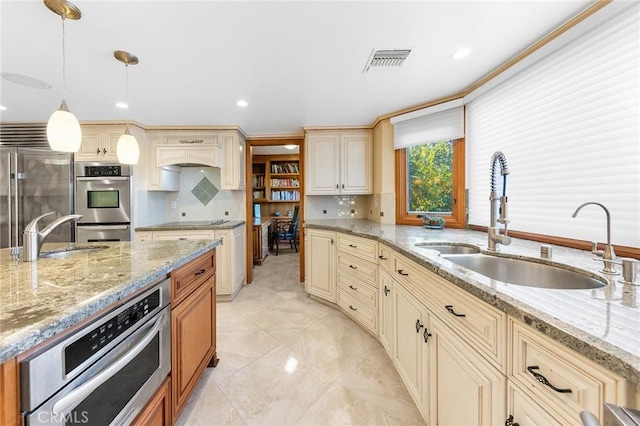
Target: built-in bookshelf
(276, 179)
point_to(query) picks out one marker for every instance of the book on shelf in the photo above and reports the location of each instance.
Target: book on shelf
(284, 167)
(258, 194)
(275, 182)
(257, 181)
(285, 195)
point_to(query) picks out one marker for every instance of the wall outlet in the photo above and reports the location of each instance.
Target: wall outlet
(324, 212)
(353, 211)
(226, 213)
(184, 214)
(381, 214)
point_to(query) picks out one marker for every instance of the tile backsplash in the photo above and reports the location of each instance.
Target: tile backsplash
(336, 207)
(200, 198)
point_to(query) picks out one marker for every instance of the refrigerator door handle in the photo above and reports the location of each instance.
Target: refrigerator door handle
(16, 219)
(9, 203)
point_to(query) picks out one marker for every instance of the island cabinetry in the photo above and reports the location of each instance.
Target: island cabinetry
(339, 162)
(9, 393)
(99, 143)
(230, 254)
(320, 268)
(193, 326)
(157, 412)
(560, 380)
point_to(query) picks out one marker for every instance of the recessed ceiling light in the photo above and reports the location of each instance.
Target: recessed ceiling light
(3, 108)
(461, 53)
(122, 105)
(242, 104)
(291, 146)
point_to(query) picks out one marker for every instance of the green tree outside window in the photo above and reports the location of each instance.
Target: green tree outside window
(430, 178)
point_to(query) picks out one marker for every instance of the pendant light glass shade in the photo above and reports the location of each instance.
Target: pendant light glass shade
(127, 148)
(63, 130)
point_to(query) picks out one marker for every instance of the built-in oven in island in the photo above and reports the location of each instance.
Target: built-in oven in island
(104, 373)
(103, 198)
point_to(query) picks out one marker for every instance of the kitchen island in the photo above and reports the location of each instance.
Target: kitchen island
(42, 298)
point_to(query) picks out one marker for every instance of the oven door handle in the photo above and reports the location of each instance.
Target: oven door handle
(86, 227)
(76, 396)
(107, 178)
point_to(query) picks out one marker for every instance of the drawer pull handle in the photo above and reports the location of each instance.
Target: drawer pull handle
(510, 421)
(386, 291)
(352, 287)
(539, 377)
(450, 309)
(182, 238)
(418, 326)
(401, 272)
(352, 308)
(353, 267)
(352, 246)
(426, 335)
(381, 257)
(200, 272)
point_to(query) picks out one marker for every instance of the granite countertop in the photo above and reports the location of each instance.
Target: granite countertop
(191, 225)
(602, 324)
(42, 298)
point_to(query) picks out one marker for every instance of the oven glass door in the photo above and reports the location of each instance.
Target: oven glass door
(117, 387)
(103, 200)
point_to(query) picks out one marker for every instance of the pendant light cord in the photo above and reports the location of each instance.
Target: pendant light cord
(64, 65)
(126, 91)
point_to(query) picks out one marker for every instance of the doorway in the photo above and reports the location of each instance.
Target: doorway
(276, 193)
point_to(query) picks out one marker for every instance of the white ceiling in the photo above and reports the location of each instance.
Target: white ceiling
(296, 63)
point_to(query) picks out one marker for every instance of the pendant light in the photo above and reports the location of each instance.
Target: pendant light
(63, 129)
(127, 148)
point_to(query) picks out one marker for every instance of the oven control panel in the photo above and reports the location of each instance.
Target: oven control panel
(108, 330)
(99, 171)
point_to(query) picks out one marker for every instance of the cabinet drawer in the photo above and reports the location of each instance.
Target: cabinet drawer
(527, 412)
(564, 369)
(358, 289)
(358, 268)
(182, 235)
(385, 258)
(359, 247)
(358, 311)
(187, 278)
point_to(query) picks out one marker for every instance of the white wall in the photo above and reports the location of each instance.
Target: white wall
(185, 202)
(569, 127)
(149, 207)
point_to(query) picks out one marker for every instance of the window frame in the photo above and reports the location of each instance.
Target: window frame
(457, 218)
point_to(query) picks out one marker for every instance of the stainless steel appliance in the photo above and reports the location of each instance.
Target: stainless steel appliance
(103, 198)
(104, 373)
(34, 180)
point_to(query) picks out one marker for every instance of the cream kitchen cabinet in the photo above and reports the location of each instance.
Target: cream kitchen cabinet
(170, 155)
(230, 255)
(99, 143)
(410, 334)
(165, 178)
(320, 266)
(234, 165)
(457, 373)
(339, 162)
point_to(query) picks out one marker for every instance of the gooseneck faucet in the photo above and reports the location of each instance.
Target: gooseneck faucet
(494, 233)
(33, 238)
(608, 255)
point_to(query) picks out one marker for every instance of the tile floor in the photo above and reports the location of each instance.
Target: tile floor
(288, 360)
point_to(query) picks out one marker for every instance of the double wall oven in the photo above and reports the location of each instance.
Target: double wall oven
(103, 198)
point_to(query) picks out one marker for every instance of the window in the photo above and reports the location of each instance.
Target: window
(430, 180)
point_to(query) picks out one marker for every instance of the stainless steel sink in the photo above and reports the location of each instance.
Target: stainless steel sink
(445, 248)
(70, 251)
(526, 273)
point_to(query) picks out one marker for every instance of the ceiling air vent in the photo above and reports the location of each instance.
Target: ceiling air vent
(386, 59)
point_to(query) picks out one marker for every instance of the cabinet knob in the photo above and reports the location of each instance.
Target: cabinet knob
(98, 151)
(510, 422)
(337, 187)
(426, 335)
(104, 150)
(418, 326)
(386, 290)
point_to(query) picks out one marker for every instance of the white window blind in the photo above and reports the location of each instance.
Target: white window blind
(569, 128)
(433, 124)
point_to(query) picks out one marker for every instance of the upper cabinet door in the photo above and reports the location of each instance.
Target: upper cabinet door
(233, 167)
(322, 164)
(356, 166)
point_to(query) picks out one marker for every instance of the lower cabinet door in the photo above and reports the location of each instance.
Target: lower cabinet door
(410, 351)
(522, 409)
(193, 331)
(458, 375)
(385, 289)
(157, 412)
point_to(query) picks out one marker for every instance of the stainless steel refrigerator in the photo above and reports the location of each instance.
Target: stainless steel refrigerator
(33, 180)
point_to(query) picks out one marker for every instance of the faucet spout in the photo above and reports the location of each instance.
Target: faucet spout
(34, 238)
(494, 236)
(608, 255)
